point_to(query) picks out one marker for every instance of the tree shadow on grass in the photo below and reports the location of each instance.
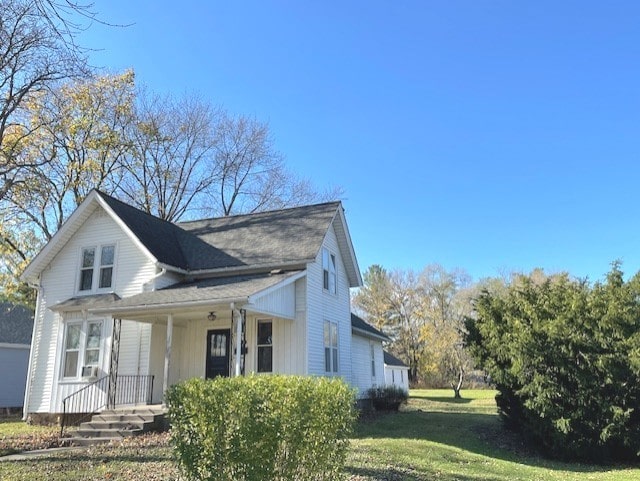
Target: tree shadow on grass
(442, 399)
(477, 433)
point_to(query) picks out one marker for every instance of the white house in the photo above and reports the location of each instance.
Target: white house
(16, 324)
(129, 304)
(396, 372)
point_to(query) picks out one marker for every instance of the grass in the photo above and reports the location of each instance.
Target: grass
(433, 437)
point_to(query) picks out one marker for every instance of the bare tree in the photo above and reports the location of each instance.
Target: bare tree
(251, 173)
(172, 161)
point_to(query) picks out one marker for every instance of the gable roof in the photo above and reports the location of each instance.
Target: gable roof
(16, 323)
(363, 328)
(261, 242)
(391, 360)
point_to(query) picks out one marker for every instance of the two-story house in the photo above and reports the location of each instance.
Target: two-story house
(131, 304)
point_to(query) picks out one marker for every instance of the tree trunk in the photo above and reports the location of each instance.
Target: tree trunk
(458, 386)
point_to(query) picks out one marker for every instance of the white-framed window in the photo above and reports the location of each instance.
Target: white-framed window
(82, 348)
(393, 376)
(373, 360)
(329, 278)
(330, 347)
(96, 268)
(265, 346)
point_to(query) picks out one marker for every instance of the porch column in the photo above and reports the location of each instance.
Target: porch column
(238, 320)
(167, 359)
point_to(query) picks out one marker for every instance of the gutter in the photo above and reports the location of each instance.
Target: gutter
(247, 269)
(369, 334)
(167, 305)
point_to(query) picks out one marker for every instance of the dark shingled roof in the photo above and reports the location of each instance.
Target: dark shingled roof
(362, 325)
(16, 323)
(286, 236)
(391, 360)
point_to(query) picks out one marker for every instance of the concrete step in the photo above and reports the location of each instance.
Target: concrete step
(79, 441)
(108, 433)
(100, 425)
(124, 418)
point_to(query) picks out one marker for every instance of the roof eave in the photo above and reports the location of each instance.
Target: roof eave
(370, 334)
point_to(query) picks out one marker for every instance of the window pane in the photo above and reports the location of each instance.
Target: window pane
(325, 279)
(335, 360)
(325, 259)
(265, 359)
(86, 279)
(105, 277)
(88, 256)
(91, 357)
(73, 336)
(71, 364)
(327, 334)
(106, 258)
(334, 335)
(218, 345)
(93, 336)
(264, 333)
(327, 359)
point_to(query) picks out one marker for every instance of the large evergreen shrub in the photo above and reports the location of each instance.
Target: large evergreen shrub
(565, 357)
(261, 428)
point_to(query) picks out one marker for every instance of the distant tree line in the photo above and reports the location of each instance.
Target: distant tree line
(66, 129)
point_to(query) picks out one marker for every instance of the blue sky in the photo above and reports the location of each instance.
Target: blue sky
(488, 135)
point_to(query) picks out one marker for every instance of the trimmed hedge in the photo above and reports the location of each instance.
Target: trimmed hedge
(261, 428)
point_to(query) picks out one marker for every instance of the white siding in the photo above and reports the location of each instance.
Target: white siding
(14, 360)
(363, 377)
(59, 283)
(281, 302)
(397, 376)
(322, 306)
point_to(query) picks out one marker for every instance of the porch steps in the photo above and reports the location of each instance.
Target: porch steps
(115, 425)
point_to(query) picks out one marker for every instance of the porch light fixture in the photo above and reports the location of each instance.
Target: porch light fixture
(212, 316)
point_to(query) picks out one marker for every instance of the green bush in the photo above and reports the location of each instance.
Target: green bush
(261, 428)
(387, 398)
(565, 357)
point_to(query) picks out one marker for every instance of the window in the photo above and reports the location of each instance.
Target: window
(393, 376)
(373, 360)
(82, 342)
(330, 347)
(329, 271)
(103, 274)
(265, 346)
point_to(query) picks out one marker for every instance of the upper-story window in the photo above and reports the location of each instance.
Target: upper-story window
(373, 359)
(329, 280)
(96, 268)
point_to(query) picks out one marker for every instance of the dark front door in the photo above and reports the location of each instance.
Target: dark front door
(218, 353)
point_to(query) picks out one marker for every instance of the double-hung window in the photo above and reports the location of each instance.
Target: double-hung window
(328, 271)
(330, 347)
(82, 346)
(96, 268)
(265, 346)
(373, 360)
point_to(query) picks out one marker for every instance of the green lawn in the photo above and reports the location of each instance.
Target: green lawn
(434, 437)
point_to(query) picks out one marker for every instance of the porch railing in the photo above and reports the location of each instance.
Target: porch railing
(130, 390)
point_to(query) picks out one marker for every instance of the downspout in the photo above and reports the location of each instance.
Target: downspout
(27, 390)
(162, 272)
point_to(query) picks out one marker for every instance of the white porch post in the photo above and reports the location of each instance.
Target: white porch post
(238, 320)
(167, 359)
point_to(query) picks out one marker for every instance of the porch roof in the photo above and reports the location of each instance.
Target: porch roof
(209, 291)
(82, 303)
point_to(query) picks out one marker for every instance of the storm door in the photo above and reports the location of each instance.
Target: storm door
(218, 353)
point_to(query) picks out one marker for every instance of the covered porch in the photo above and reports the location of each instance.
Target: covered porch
(208, 328)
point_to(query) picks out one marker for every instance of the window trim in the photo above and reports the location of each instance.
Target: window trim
(334, 350)
(373, 359)
(328, 273)
(81, 360)
(258, 346)
(96, 269)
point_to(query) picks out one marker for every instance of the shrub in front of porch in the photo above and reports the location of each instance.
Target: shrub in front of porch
(261, 428)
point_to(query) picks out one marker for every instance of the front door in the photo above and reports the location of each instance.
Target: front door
(218, 353)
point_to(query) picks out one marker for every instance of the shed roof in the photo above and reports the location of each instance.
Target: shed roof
(363, 327)
(391, 360)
